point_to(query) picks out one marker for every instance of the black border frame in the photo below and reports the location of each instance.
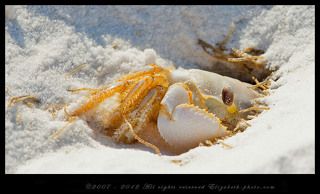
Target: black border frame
(79, 183)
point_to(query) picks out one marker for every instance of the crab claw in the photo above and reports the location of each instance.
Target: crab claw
(184, 125)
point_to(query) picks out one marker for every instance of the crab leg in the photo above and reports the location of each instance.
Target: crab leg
(150, 145)
(99, 97)
(92, 91)
(139, 102)
(140, 117)
(155, 69)
(126, 83)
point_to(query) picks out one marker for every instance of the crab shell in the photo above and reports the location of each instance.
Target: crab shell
(183, 121)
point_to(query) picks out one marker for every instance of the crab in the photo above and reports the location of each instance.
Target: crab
(169, 109)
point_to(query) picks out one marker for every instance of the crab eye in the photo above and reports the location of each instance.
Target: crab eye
(227, 96)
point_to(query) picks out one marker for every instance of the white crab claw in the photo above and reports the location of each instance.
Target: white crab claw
(183, 125)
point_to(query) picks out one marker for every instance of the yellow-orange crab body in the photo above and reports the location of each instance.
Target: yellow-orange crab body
(186, 106)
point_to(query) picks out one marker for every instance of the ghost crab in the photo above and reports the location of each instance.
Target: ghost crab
(175, 109)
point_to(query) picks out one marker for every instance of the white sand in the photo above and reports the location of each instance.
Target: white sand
(43, 43)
